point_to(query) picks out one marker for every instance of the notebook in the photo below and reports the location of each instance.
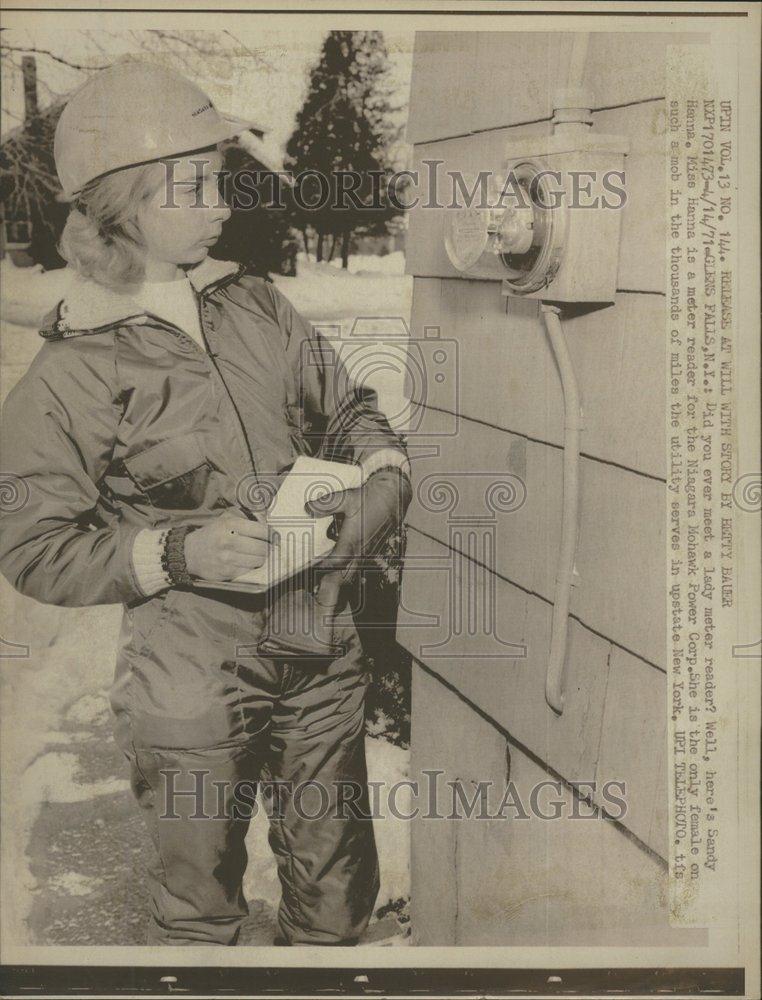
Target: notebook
(303, 539)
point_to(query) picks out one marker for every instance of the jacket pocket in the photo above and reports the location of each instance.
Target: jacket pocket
(173, 474)
(147, 619)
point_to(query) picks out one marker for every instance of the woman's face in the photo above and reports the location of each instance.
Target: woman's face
(183, 218)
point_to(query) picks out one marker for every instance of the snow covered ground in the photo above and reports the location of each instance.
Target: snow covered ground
(364, 312)
(64, 791)
(373, 286)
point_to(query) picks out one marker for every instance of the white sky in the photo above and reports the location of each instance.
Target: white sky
(263, 74)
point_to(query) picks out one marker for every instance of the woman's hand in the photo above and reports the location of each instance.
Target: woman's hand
(368, 515)
(227, 547)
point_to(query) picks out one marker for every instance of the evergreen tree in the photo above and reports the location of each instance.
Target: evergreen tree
(344, 126)
(259, 236)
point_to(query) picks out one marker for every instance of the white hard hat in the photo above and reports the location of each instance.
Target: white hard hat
(134, 112)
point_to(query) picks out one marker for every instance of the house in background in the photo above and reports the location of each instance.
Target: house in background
(479, 583)
(31, 216)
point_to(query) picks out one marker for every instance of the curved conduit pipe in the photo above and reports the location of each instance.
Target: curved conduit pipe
(554, 679)
(572, 115)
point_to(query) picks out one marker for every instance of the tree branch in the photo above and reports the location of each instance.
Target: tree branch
(51, 55)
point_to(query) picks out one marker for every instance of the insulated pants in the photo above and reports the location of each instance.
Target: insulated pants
(203, 721)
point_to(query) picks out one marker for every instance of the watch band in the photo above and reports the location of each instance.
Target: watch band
(173, 556)
(391, 468)
(384, 458)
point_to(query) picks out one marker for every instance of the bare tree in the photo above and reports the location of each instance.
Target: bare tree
(196, 53)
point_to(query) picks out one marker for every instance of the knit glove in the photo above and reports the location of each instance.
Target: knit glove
(365, 518)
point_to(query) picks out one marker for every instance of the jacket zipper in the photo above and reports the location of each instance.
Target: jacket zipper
(241, 427)
(243, 436)
(229, 279)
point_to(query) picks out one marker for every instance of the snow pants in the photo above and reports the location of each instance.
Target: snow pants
(203, 720)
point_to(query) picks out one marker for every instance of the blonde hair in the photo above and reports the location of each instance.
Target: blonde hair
(101, 239)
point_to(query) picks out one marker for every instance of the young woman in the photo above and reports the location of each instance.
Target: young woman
(167, 385)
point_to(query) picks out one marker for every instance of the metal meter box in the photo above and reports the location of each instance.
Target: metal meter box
(553, 222)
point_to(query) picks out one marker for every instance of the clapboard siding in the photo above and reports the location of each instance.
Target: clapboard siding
(520, 881)
(641, 260)
(503, 670)
(613, 724)
(634, 743)
(622, 68)
(478, 620)
(621, 549)
(506, 101)
(472, 81)
(506, 375)
(442, 85)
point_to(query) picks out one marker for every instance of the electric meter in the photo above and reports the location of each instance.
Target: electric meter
(519, 238)
(531, 265)
(550, 227)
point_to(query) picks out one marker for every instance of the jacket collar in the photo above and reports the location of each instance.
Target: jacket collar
(89, 307)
